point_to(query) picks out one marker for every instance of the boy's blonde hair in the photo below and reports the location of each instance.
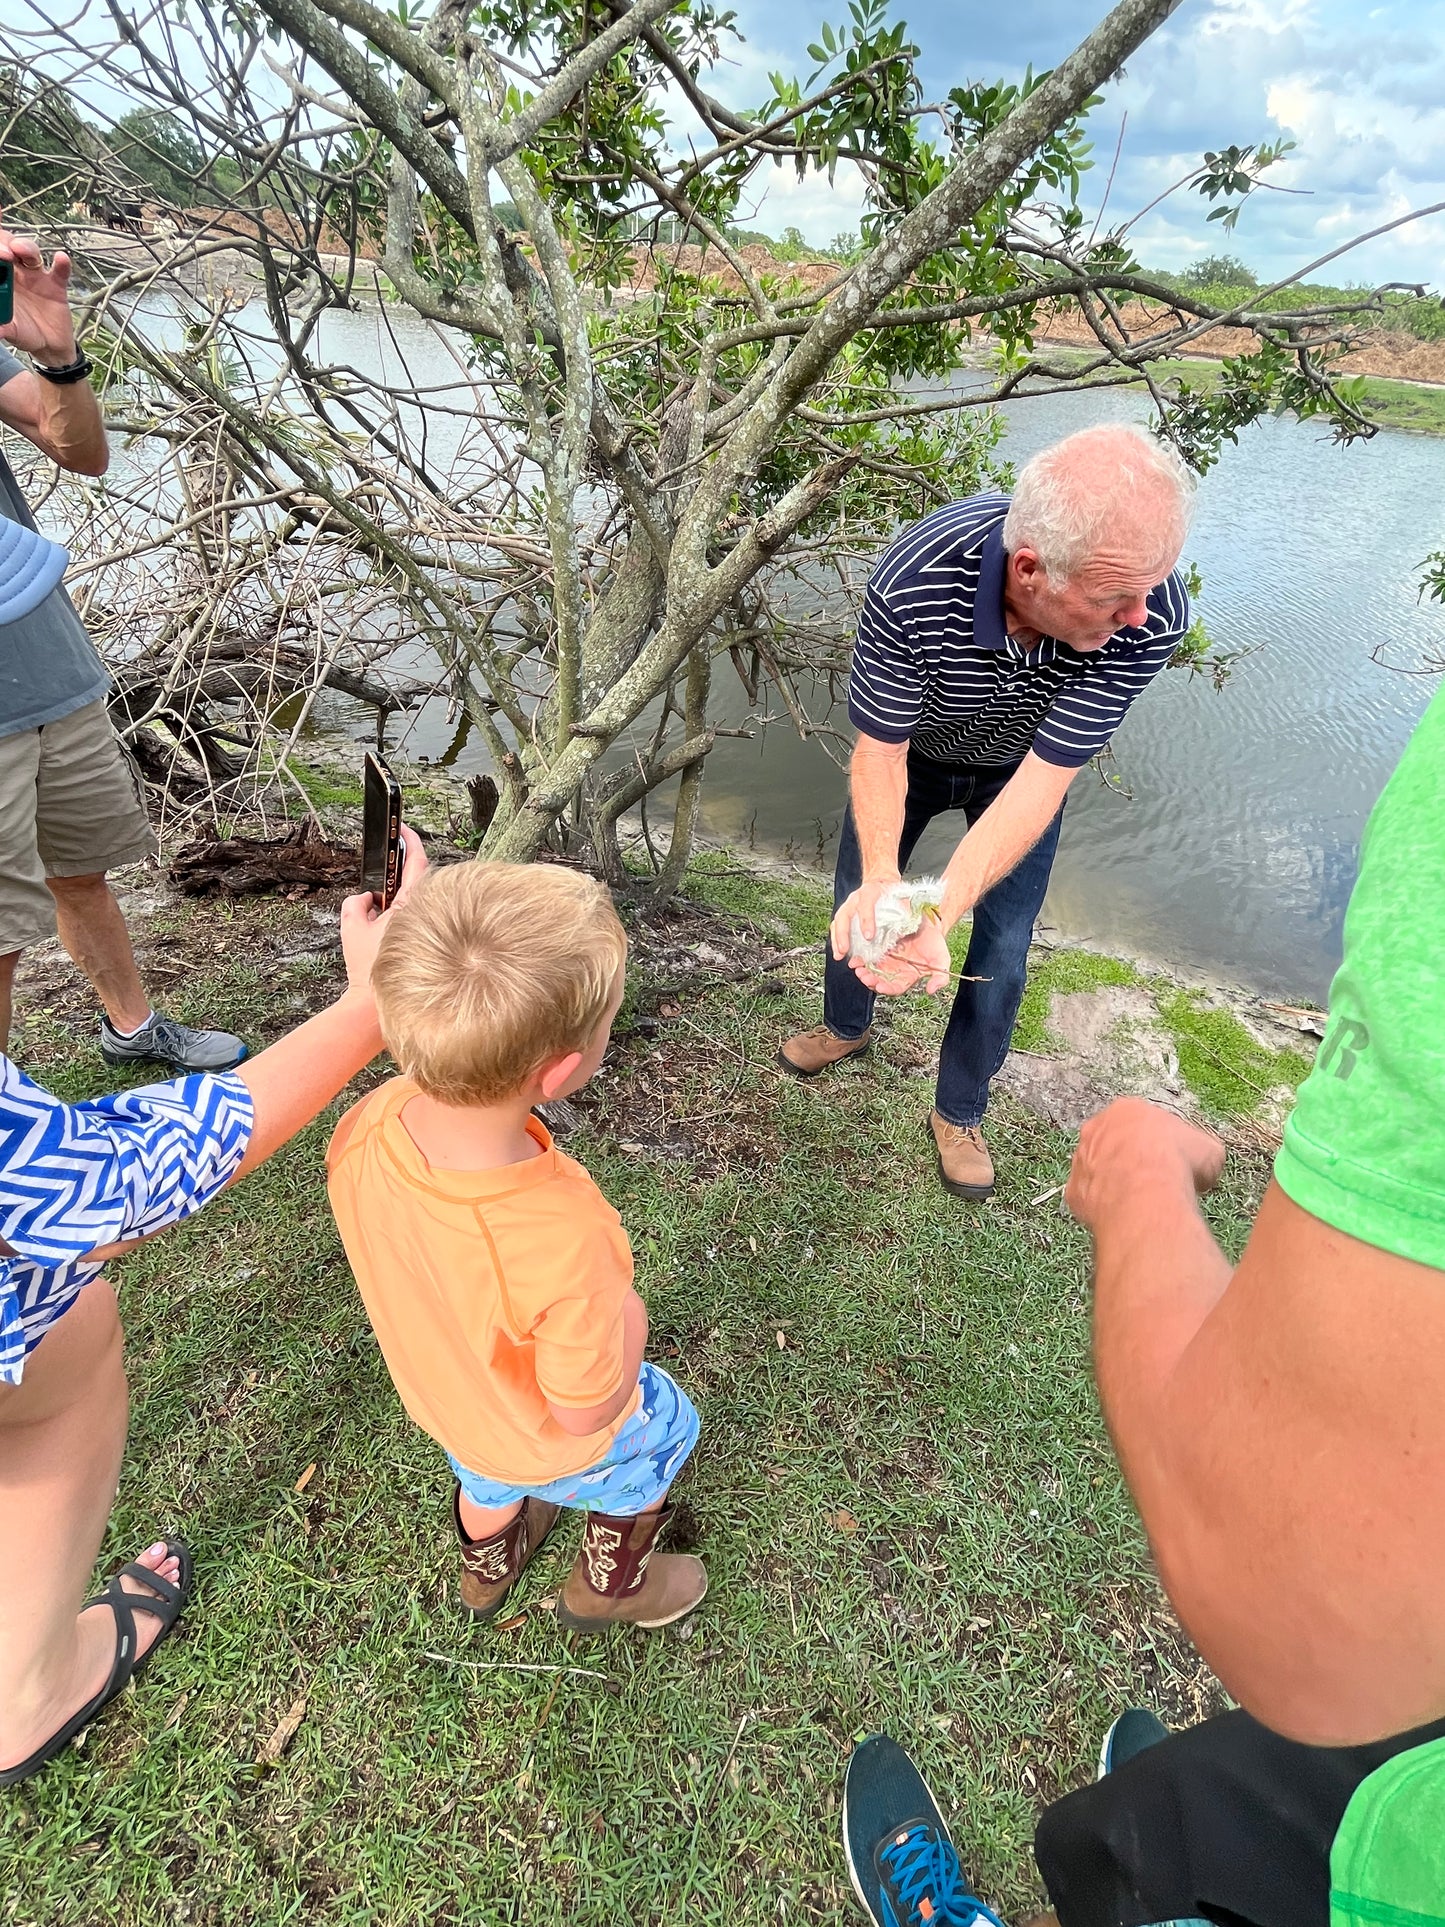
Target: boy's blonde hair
(491, 970)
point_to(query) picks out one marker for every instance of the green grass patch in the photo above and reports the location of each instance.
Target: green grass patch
(1405, 405)
(908, 1507)
(325, 788)
(793, 912)
(1062, 970)
(1223, 1065)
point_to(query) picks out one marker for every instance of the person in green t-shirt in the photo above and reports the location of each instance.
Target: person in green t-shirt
(1281, 1425)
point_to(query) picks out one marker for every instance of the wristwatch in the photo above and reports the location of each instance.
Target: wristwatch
(76, 370)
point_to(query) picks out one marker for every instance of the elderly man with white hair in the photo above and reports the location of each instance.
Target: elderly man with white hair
(1000, 646)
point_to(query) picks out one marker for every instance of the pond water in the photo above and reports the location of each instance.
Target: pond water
(1233, 852)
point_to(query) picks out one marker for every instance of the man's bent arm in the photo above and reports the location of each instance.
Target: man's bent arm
(62, 419)
(1275, 1426)
(1005, 833)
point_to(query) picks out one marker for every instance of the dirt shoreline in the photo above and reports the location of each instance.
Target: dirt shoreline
(1383, 353)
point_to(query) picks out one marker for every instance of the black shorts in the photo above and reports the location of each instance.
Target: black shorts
(1225, 1822)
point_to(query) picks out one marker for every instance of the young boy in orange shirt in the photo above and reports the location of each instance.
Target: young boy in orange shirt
(497, 1277)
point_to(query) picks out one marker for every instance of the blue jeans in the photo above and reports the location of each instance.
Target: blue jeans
(977, 1039)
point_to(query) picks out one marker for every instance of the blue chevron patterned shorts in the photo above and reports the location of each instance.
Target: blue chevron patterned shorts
(77, 1176)
(644, 1459)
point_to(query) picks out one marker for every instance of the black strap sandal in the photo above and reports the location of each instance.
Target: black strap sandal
(166, 1603)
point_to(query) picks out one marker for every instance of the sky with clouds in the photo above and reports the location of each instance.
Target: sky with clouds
(1360, 89)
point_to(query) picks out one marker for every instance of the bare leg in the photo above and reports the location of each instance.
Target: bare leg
(480, 1521)
(7, 978)
(94, 933)
(62, 1431)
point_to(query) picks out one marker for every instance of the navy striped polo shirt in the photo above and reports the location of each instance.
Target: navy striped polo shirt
(934, 664)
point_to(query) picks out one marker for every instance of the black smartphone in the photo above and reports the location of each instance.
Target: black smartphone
(382, 853)
(7, 293)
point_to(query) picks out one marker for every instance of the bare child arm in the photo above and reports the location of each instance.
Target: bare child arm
(583, 1419)
(292, 1080)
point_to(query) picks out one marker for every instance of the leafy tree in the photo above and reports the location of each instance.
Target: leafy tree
(44, 145)
(645, 468)
(161, 151)
(1219, 271)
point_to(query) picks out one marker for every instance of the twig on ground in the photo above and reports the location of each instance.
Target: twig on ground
(723, 1773)
(521, 1666)
(524, 1775)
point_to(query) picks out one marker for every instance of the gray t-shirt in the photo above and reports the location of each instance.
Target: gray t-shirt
(48, 664)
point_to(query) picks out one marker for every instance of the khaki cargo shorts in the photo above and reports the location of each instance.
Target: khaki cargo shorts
(70, 806)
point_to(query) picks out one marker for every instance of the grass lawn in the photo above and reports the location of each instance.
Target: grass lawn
(1408, 405)
(907, 1505)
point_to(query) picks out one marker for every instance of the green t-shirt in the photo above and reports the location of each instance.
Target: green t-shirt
(1365, 1152)
(1365, 1148)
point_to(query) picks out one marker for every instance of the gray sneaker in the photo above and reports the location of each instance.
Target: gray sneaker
(162, 1040)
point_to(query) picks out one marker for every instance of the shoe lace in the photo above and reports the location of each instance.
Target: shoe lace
(927, 1883)
(168, 1033)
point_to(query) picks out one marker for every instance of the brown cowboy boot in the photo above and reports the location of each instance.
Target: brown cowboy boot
(817, 1050)
(617, 1579)
(964, 1165)
(492, 1566)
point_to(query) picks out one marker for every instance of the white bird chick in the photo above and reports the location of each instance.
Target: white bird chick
(900, 912)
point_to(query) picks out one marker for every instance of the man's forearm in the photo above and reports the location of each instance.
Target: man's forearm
(1157, 1276)
(878, 791)
(62, 419)
(1005, 833)
(71, 429)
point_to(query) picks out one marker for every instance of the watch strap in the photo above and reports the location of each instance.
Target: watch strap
(76, 370)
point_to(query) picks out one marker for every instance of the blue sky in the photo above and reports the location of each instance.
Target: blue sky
(1360, 89)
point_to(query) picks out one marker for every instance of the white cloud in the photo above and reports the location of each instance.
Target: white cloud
(1362, 99)
(775, 198)
(1255, 16)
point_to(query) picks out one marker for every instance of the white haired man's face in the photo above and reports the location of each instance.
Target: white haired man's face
(1107, 592)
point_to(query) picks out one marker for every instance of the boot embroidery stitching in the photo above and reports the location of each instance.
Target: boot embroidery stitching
(598, 1549)
(490, 1563)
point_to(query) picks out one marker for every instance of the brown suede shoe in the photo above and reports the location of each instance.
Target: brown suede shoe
(492, 1566)
(817, 1050)
(618, 1580)
(964, 1165)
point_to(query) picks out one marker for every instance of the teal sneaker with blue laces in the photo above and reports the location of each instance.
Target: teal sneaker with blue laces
(901, 1860)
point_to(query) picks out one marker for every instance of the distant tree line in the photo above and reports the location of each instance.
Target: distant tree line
(1224, 279)
(52, 156)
